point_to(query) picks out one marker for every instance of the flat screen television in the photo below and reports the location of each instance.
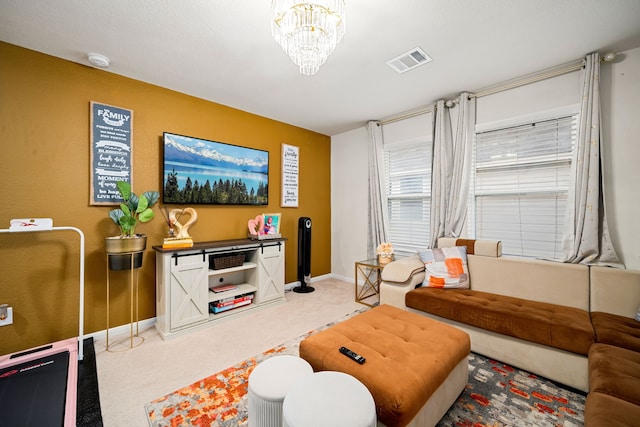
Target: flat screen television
(198, 171)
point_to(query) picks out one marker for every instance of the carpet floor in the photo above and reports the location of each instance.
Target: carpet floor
(496, 395)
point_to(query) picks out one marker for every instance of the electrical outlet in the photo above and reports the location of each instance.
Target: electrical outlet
(9, 319)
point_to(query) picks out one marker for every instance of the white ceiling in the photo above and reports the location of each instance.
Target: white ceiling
(222, 50)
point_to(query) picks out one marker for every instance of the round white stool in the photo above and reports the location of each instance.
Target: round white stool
(329, 399)
(269, 382)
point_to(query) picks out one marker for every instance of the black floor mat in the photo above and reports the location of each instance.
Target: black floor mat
(88, 410)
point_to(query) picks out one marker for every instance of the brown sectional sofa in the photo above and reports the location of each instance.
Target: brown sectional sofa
(561, 327)
(614, 361)
(570, 323)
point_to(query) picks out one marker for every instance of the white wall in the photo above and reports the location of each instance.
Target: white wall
(349, 202)
(526, 101)
(620, 93)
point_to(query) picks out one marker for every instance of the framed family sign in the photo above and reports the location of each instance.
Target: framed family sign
(111, 152)
(290, 171)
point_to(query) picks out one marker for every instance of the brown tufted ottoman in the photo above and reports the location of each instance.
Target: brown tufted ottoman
(416, 367)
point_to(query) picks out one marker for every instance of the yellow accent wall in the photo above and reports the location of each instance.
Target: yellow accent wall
(44, 163)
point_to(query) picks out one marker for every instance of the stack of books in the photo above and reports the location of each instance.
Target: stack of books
(172, 243)
(231, 303)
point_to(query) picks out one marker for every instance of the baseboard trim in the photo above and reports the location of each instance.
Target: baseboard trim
(290, 286)
(150, 323)
(122, 329)
(343, 278)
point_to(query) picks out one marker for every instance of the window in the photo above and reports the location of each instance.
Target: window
(408, 190)
(519, 190)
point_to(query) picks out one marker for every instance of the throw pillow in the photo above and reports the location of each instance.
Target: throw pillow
(445, 267)
(638, 315)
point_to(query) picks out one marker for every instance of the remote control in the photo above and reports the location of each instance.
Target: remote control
(351, 355)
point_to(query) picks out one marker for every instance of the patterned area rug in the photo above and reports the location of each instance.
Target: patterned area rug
(221, 399)
(497, 395)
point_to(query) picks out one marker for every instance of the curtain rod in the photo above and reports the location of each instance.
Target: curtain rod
(532, 78)
(511, 84)
(406, 115)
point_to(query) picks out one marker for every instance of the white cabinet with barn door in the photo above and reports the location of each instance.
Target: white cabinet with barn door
(212, 281)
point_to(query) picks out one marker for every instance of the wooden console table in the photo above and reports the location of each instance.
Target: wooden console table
(185, 279)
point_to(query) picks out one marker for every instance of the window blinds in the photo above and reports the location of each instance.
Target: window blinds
(521, 180)
(408, 188)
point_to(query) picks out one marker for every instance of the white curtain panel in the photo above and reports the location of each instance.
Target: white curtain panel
(451, 174)
(378, 222)
(586, 239)
(456, 212)
(441, 171)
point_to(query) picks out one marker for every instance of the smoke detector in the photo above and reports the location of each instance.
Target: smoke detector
(409, 60)
(98, 60)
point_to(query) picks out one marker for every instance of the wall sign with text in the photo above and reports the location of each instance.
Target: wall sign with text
(111, 152)
(290, 171)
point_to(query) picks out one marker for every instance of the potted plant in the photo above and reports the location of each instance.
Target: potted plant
(132, 210)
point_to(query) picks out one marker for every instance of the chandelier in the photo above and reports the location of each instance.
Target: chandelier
(308, 31)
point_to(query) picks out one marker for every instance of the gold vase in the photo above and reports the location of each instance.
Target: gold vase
(121, 249)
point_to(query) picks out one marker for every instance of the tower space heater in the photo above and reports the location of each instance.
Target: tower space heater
(304, 256)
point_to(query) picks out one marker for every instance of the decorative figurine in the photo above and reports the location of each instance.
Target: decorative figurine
(178, 233)
(182, 231)
(255, 225)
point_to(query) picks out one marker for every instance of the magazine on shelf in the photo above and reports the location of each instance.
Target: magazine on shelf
(223, 288)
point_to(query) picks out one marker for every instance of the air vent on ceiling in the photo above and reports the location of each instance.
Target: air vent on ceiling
(409, 60)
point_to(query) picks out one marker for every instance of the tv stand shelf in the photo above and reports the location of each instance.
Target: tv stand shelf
(243, 288)
(184, 281)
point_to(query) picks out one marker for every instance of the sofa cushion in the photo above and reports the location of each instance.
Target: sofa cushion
(445, 267)
(614, 290)
(401, 270)
(616, 330)
(604, 410)
(553, 325)
(488, 248)
(615, 371)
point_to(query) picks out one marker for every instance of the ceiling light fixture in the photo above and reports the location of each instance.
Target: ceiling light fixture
(308, 31)
(98, 60)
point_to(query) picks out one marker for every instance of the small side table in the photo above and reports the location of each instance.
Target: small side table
(134, 338)
(329, 398)
(370, 271)
(269, 383)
